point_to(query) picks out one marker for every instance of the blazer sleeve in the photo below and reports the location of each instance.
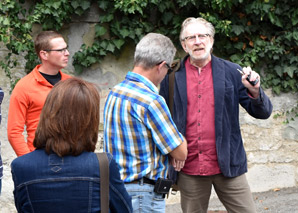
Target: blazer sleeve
(260, 108)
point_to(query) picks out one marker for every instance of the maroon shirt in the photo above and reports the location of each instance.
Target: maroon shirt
(200, 125)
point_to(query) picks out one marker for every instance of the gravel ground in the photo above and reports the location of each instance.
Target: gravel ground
(275, 201)
(284, 200)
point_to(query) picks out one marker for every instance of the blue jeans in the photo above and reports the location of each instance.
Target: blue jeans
(144, 199)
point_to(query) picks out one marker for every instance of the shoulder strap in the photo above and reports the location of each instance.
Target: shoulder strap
(175, 66)
(104, 181)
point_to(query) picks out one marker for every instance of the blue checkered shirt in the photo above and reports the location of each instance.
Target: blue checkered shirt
(138, 129)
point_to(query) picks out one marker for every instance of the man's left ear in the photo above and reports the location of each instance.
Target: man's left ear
(160, 66)
(183, 46)
(43, 55)
(212, 41)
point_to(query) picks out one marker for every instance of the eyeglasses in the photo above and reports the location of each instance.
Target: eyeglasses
(63, 50)
(202, 37)
(168, 66)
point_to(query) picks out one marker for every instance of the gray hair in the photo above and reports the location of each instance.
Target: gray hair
(202, 21)
(152, 49)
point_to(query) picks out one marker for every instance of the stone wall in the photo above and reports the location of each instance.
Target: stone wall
(272, 147)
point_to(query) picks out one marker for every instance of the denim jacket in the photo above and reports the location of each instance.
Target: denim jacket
(48, 183)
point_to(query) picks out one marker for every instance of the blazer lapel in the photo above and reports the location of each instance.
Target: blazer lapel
(218, 74)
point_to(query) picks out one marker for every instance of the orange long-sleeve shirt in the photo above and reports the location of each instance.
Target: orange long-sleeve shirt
(26, 103)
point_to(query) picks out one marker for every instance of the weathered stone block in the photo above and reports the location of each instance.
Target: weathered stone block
(270, 176)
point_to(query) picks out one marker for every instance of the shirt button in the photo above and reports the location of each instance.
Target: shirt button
(199, 110)
(199, 124)
(200, 152)
(199, 138)
(199, 96)
(199, 82)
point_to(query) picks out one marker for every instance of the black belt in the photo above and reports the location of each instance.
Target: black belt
(144, 180)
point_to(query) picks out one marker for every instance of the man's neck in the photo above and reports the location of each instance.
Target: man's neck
(200, 63)
(48, 70)
(146, 73)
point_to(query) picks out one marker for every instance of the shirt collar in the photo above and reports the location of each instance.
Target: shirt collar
(139, 78)
(39, 78)
(194, 68)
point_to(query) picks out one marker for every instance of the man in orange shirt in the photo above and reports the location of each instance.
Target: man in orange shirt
(29, 94)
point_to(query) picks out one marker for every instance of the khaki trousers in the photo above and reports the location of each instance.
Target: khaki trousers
(234, 193)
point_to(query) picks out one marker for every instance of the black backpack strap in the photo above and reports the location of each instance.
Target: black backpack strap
(175, 66)
(104, 181)
(172, 174)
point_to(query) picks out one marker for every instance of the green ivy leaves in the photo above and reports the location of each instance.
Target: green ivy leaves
(260, 34)
(80, 6)
(100, 30)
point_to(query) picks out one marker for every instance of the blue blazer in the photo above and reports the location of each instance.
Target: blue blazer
(229, 92)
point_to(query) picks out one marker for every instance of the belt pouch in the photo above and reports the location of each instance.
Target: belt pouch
(162, 186)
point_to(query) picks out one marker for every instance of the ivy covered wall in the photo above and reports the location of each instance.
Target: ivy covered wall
(259, 33)
(271, 146)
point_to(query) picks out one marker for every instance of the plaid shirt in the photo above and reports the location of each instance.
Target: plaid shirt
(1, 166)
(138, 129)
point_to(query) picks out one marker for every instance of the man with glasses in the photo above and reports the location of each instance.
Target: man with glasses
(207, 94)
(138, 128)
(29, 94)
